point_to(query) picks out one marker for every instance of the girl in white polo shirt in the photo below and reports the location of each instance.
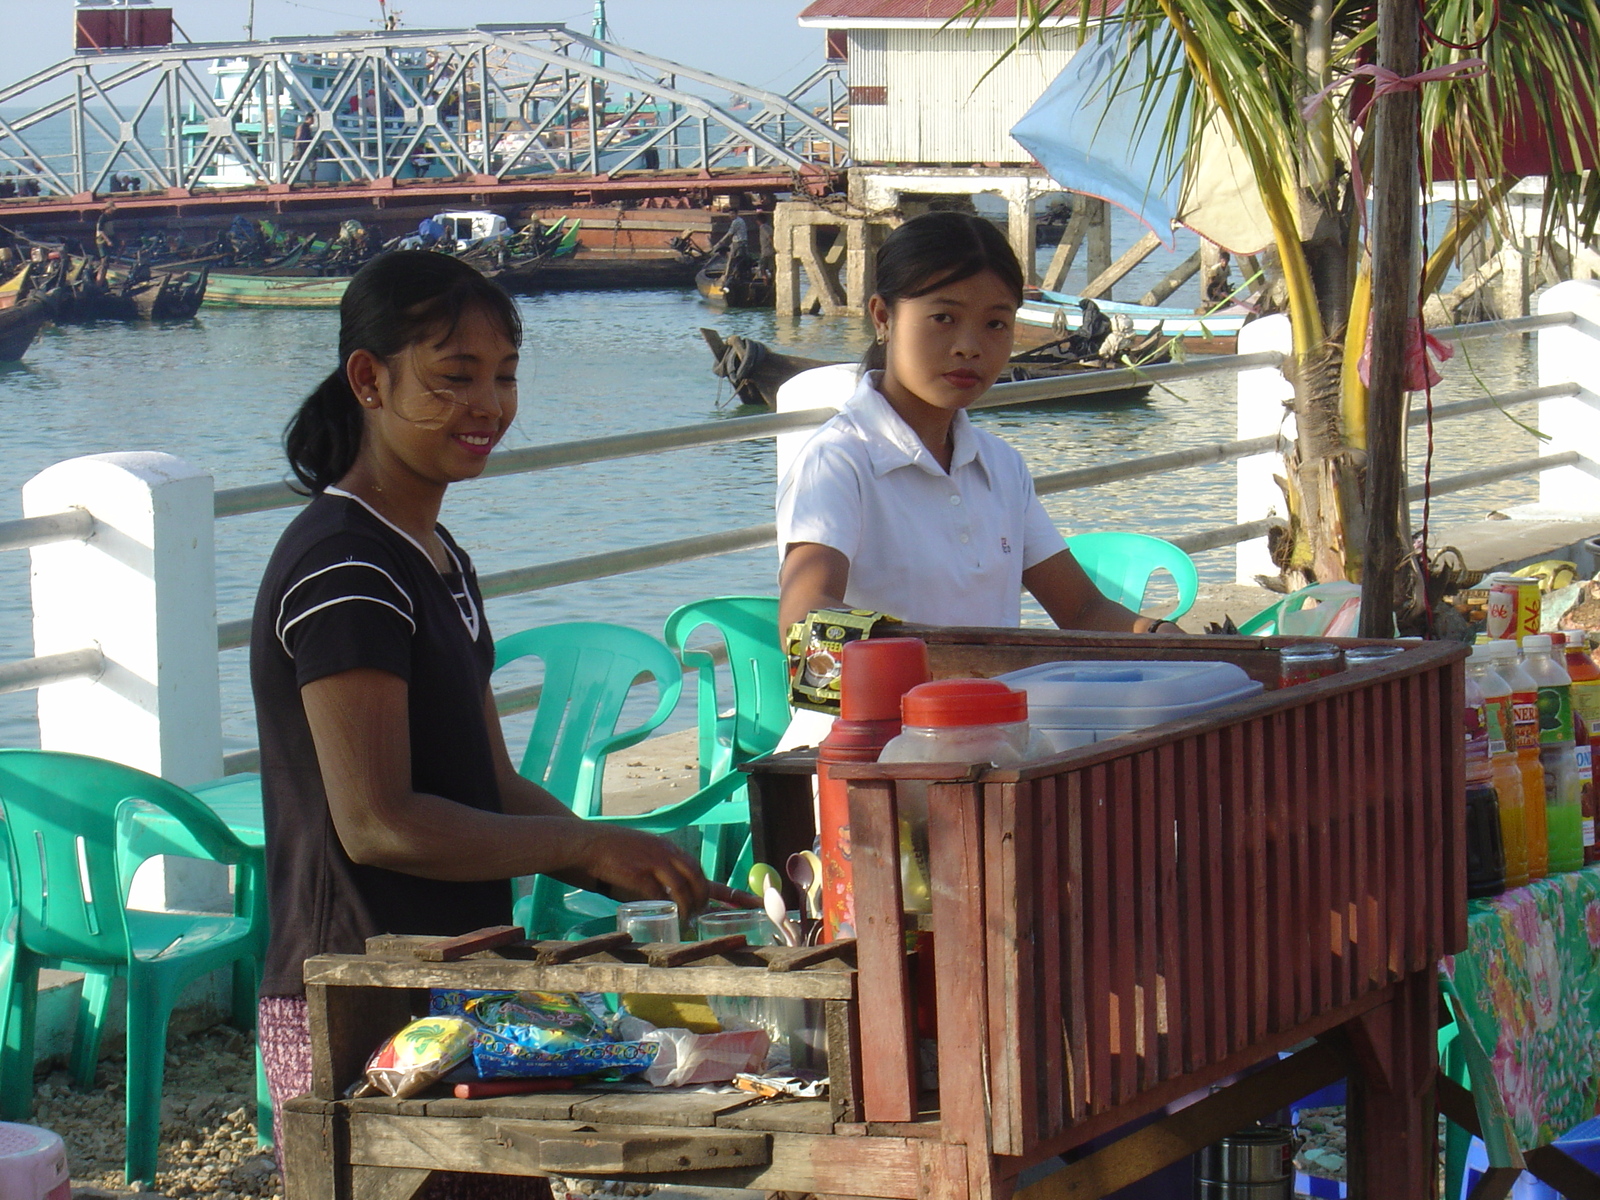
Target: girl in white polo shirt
(899, 504)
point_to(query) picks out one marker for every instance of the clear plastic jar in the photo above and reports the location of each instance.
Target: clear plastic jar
(950, 720)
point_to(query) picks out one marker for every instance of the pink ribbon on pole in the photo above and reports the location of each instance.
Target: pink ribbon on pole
(1384, 82)
(1422, 350)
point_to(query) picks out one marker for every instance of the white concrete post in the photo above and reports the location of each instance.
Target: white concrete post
(142, 589)
(1571, 352)
(1020, 229)
(1263, 394)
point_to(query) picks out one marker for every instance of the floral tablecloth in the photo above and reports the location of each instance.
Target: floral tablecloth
(1530, 982)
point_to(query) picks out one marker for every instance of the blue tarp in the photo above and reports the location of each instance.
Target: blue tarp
(1086, 129)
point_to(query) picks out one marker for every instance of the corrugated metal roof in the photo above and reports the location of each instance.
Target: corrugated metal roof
(941, 10)
(819, 11)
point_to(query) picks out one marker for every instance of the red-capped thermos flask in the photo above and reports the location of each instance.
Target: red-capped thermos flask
(873, 675)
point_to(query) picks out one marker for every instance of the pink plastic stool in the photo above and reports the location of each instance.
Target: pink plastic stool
(33, 1164)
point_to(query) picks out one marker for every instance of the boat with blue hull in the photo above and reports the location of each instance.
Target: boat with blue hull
(1062, 313)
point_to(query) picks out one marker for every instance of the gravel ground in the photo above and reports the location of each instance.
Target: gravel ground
(1322, 1142)
(208, 1134)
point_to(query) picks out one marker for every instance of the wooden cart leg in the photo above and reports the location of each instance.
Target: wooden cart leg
(1392, 1121)
(315, 1151)
(387, 1183)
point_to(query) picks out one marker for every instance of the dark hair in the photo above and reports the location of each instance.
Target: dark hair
(393, 301)
(937, 248)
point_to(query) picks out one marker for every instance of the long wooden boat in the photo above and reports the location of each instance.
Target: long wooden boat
(757, 371)
(228, 289)
(1059, 312)
(752, 290)
(20, 324)
(171, 295)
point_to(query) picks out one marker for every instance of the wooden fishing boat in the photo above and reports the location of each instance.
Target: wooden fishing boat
(756, 371)
(20, 323)
(751, 288)
(171, 295)
(13, 287)
(231, 289)
(1058, 313)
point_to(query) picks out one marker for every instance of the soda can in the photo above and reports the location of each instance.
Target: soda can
(1513, 607)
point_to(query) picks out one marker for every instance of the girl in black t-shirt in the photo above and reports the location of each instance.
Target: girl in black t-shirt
(391, 803)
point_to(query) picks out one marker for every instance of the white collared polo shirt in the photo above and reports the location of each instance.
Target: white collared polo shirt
(924, 545)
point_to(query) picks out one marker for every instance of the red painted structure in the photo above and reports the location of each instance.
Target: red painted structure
(173, 208)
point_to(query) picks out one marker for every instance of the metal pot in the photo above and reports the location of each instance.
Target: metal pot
(1253, 1164)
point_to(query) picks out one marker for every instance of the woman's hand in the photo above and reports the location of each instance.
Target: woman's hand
(641, 866)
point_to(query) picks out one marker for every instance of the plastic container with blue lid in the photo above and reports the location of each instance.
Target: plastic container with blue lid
(1072, 704)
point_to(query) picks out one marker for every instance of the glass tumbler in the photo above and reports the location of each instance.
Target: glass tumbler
(749, 923)
(649, 921)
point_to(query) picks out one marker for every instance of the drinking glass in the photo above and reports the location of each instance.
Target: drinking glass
(649, 920)
(749, 923)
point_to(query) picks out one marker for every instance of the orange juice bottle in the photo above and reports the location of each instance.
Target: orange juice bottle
(1525, 722)
(1504, 772)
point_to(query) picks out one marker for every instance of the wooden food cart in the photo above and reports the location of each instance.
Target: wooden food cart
(1116, 929)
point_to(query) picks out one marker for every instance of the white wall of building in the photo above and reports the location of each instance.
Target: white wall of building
(935, 109)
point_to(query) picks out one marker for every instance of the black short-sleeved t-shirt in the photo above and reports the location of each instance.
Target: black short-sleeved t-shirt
(346, 589)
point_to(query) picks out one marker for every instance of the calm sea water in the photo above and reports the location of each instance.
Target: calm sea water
(217, 391)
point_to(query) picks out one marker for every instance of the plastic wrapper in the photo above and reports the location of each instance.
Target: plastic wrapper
(814, 648)
(539, 1034)
(687, 1058)
(800, 1084)
(418, 1055)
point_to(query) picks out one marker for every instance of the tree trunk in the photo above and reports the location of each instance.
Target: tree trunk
(1324, 482)
(1325, 485)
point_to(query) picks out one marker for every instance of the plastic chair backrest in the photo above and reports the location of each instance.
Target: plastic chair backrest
(60, 811)
(748, 626)
(1121, 564)
(1335, 612)
(589, 669)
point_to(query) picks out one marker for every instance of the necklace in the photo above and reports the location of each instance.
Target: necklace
(466, 606)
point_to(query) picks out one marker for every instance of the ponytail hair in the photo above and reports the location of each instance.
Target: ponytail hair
(934, 249)
(395, 300)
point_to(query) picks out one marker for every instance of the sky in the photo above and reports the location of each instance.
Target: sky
(755, 42)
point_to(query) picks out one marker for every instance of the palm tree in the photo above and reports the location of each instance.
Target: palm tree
(1255, 63)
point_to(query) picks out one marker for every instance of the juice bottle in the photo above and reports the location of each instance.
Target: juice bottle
(1486, 863)
(1525, 725)
(1504, 772)
(1586, 704)
(1563, 791)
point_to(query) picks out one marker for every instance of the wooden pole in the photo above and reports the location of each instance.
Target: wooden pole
(1395, 196)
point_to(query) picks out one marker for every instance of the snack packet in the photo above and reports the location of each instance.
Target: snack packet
(814, 646)
(534, 1034)
(419, 1054)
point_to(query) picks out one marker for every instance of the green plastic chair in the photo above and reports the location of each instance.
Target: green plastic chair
(759, 678)
(589, 669)
(1121, 564)
(1290, 616)
(704, 824)
(240, 796)
(75, 820)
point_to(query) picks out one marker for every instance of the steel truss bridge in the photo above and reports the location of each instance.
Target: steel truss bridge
(490, 105)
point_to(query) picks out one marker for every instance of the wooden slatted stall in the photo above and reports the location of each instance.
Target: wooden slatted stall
(1136, 920)
(1114, 930)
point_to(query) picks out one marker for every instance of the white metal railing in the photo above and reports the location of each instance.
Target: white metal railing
(1571, 374)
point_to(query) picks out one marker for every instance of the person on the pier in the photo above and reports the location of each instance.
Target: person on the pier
(900, 504)
(391, 803)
